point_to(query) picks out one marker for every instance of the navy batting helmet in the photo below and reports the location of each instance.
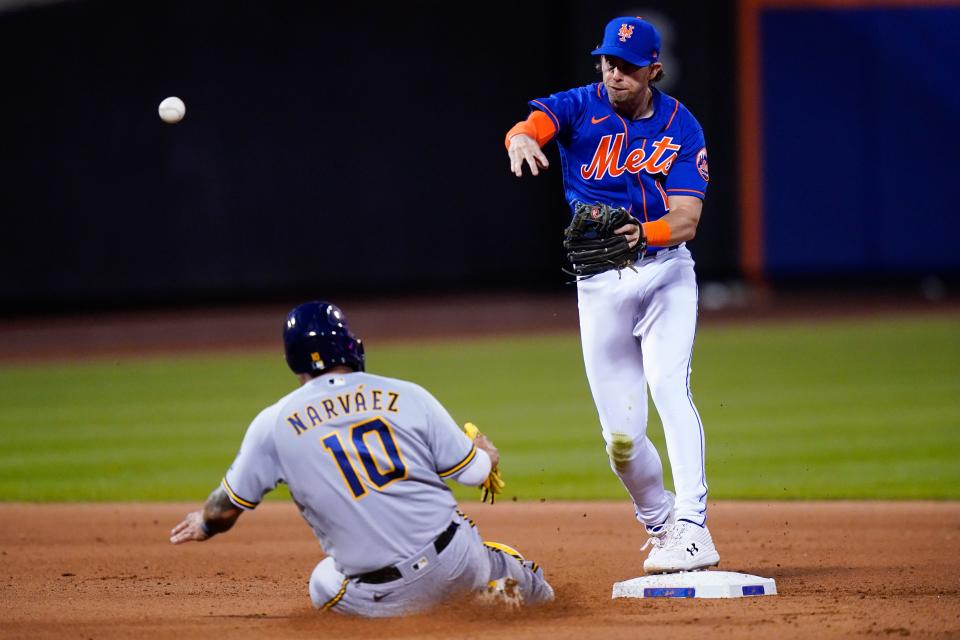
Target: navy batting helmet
(316, 337)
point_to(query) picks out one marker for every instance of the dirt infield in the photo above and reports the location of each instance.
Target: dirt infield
(844, 569)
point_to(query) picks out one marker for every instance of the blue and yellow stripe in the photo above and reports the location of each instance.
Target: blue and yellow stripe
(460, 465)
(247, 505)
(332, 602)
(467, 518)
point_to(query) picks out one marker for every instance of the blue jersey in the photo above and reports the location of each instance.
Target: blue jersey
(635, 164)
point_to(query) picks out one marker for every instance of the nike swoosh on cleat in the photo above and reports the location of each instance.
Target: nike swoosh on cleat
(598, 120)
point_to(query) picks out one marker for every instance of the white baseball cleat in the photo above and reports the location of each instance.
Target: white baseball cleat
(683, 546)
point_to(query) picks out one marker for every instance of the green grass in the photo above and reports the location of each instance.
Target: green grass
(866, 409)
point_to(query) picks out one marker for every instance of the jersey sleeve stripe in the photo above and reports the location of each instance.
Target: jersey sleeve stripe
(666, 202)
(332, 602)
(643, 193)
(460, 465)
(676, 107)
(237, 500)
(546, 110)
(700, 193)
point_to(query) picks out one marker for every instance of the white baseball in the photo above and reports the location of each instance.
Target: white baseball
(172, 110)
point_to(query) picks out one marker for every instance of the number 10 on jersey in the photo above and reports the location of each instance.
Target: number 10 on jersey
(360, 437)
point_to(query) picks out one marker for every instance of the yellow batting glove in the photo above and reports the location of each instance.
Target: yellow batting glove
(471, 430)
(493, 485)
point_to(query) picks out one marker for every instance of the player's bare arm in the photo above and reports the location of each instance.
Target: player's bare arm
(683, 218)
(484, 444)
(526, 139)
(522, 149)
(218, 515)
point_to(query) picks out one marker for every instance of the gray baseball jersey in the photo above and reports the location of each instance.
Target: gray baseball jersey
(364, 457)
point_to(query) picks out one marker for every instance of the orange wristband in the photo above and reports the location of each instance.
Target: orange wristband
(538, 126)
(657, 233)
(526, 127)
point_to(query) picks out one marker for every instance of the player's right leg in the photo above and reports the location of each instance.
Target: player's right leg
(614, 365)
(513, 580)
(490, 571)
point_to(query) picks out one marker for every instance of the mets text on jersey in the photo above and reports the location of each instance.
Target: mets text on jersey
(606, 159)
(359, 401)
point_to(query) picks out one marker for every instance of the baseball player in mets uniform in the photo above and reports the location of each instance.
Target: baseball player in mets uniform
(625, 143)
(365, 458)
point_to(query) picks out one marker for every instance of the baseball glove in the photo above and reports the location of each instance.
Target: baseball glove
(591, 244)
(493, 485)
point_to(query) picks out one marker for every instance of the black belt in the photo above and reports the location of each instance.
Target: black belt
(654, 254)
(389, 574)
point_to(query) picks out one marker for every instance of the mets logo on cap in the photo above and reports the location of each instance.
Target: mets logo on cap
(632, 39)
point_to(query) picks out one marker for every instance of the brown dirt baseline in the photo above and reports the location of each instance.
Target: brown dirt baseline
(843, 569)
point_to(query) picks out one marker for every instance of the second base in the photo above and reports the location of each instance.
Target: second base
(696, 584)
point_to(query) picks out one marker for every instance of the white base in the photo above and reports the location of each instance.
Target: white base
(696, 584)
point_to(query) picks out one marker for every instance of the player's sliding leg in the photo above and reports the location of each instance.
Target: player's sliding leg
(614, 365)
(466, 567)
(513, 580)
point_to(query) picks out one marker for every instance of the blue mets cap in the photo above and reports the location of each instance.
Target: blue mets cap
(632, 39)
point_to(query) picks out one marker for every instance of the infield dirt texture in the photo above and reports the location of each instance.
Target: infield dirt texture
(105, 570)
(843, 569)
